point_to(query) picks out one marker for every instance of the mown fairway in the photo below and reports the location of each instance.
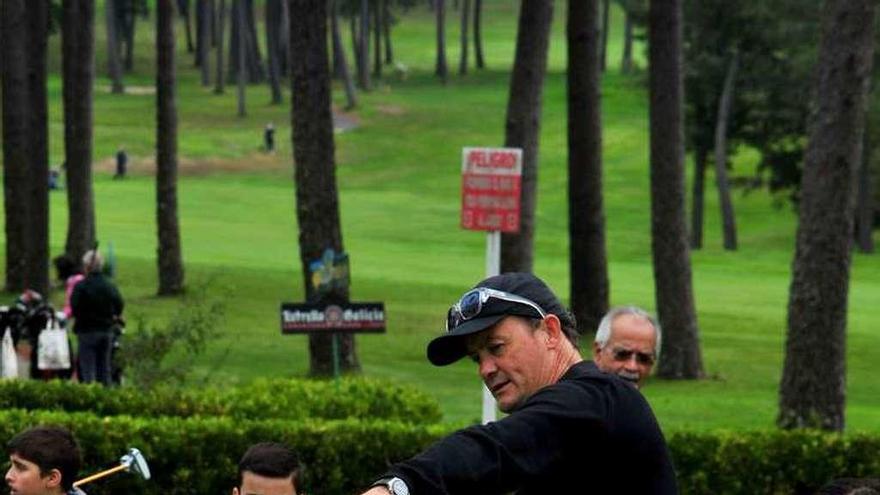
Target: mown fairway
(399, 186)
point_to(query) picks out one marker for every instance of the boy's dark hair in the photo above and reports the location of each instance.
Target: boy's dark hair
(66, 266)
(49, 447)
(269, 459)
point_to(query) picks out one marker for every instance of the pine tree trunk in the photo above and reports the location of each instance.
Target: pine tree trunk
(681, 358)
(350, 97)
(243, 37)
(37, 276)
(364, 46)
(626, 64)
(441, 70)
(588, 263)
(273, 16)
(463, 60)
(523, 124)
(16, 140)
(377, 39)
(478, 34)
(356, 50)
(865, 205)
(221, 27)
(606, 25)
(241, 70)
(183, 8)
(129, 22)
(205, 34)
(77, 64)
(114, 66)
(812, 392)
(284, 40)
(386, 31)
(728, 219)
(317, 204)
(170, 262)
(697, 194)
(253, 58)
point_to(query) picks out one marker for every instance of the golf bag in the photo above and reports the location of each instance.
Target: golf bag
(27, 318)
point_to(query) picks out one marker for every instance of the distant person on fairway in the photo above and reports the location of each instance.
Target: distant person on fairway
(627, 344)
(121, 164)
(267, 469)
(97, 307)
(43, 461)
(269, 137)
(570, 428)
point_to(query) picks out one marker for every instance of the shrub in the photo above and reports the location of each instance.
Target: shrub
(263, 399)
(198, 456)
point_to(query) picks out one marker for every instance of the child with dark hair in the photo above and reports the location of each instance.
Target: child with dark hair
(43, 460)
(70, 273)
(267, 469)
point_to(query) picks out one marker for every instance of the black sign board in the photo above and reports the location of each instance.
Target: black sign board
(331, 318)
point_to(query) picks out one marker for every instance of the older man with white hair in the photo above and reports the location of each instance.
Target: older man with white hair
(97, 307)
(627, 344)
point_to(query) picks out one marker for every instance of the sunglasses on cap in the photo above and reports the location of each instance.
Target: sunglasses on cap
(627, 354)
(471, 304)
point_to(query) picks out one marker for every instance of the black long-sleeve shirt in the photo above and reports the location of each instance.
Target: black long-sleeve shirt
(588, 433)
(96, 303)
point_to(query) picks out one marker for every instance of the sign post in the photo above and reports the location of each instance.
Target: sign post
(491, 182)
(328, 275)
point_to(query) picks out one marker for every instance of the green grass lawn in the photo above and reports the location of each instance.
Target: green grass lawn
(399, 185)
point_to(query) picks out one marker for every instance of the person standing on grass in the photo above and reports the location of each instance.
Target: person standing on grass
(70, 273)
(627, 344)
(267, 469)
(43, 460)
(97, 308)
(571, 428)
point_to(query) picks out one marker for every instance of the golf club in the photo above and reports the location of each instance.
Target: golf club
(133, 461)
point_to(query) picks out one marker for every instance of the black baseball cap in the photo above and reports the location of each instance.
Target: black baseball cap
(517, 291)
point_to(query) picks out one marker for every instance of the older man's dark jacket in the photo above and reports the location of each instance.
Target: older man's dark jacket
(96, 304)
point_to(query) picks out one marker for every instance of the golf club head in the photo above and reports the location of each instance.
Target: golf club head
(134, 462)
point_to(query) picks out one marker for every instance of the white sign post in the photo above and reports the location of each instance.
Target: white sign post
(490, 201)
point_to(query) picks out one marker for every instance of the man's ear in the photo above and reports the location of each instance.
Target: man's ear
(235, 490)
(597, 351)
(554, 330)
(53, 478)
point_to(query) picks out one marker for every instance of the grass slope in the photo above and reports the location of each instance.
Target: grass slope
(399, 190)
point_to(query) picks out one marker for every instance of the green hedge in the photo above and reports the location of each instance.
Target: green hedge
(771, 462)
(263, 399)
(199, 455)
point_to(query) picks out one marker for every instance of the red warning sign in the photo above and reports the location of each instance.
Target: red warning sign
(491, 181)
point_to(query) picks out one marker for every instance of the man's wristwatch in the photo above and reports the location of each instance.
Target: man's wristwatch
(394, 485)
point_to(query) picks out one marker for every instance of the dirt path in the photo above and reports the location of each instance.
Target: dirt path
(256, 161)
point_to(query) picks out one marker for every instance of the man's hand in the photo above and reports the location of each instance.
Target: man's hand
(377, 490)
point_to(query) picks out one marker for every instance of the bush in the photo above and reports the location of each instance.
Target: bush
(263, 399)
(772, 462)
(199, 455)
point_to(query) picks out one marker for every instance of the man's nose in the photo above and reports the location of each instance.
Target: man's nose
(487, 367)
(632, 363)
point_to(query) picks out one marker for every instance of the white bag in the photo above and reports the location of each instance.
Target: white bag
(8, 356)
(53, 348)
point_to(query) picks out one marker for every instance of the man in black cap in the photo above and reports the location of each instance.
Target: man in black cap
(570, 428)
